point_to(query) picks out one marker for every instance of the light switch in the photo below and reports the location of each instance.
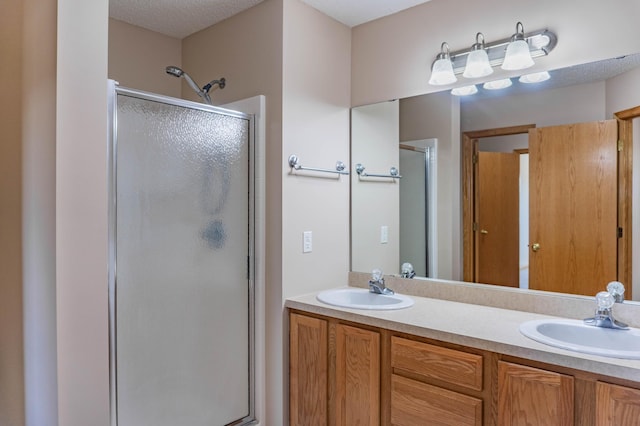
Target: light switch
(384, 234)
(307, 242)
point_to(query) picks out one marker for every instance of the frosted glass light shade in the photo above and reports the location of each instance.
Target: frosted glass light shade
(477, 64)
(535, 77)
(442, 73)
(518, 56)
(497, 84)
(465, 90)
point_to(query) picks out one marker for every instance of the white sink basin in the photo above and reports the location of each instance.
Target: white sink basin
(574, 335)
(358, 298)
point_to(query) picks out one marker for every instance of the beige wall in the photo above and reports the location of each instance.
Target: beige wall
(410, 40)
(438, 116)
(315, 117)
(374, 201)
(39, 198)
(572, 104)
(11, 342)
(315, 126)
(81, 209)
(138, 57)
(623, 92)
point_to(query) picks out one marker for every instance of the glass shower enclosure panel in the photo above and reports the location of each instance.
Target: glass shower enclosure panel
(181, 252)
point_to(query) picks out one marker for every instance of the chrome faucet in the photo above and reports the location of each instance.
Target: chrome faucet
(604, 312)
(407, 270)
(376, 283)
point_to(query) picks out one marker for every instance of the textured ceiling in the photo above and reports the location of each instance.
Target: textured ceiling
(577, 74)
(180, 18)
(356, 12)
(176, 18)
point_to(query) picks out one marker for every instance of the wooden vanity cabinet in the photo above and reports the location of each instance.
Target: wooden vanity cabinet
(345, 374)
(532, 396)
(308, 370)
(334, 373)
(357, 380)
(617, 405)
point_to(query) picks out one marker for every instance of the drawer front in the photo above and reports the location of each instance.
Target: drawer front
(419, 404)
(449, 365)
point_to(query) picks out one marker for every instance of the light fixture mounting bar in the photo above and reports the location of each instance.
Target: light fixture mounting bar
(540, 44)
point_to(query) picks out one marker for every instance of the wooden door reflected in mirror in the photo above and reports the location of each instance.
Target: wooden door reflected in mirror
(572, 213)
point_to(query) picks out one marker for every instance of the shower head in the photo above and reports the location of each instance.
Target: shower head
(178, 72)
(174, 71)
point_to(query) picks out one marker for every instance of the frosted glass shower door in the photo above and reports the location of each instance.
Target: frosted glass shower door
(183, 239)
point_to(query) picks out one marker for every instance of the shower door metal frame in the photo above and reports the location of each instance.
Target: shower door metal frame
(113, 91)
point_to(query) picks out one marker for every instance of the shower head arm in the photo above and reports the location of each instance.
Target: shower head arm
(221, 83)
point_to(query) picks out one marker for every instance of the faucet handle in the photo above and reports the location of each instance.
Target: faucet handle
(604, 300)
(616, 288)
(376, 275)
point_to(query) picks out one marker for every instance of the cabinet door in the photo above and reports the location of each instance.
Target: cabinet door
(308, 356)
(617, 405)
(530, 396)
(357, 376)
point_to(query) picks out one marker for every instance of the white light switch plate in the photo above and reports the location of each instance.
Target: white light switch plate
(384, 234)
(307, 242)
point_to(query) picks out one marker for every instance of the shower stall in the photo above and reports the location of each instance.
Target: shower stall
(181, 267)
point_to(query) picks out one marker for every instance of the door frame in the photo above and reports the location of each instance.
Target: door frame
(470, 192)
(625, 172)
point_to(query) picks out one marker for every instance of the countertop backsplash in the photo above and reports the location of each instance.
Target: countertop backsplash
(539, 302)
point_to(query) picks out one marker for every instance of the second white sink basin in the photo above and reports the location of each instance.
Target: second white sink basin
(359, 298)
(576, 336)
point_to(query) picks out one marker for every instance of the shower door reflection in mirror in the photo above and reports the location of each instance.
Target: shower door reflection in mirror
(181, 297)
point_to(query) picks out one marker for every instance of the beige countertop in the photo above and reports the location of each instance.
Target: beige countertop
(483, 327)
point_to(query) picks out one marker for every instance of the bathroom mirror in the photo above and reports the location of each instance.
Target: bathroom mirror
(423, 137)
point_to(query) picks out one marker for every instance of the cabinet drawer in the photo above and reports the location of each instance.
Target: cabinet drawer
(455, 367)
(417, 403)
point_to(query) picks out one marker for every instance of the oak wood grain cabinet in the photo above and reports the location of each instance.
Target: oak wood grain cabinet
(617, 405)
(531, 396)
(421, 382)
(347, 374)
(308, 367)
(357, 376)
(334, 373)
(417, 403)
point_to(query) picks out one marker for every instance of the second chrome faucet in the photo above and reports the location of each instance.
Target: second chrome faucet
(604, 312)
(376, 283)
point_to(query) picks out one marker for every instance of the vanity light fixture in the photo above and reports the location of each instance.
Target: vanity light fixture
(536, 77)
(504, 53)
(477, 61)
(518, 56)
(497, 84)
(464, 90)
(442, 69)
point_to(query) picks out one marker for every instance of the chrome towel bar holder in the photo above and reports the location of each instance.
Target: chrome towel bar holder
(394, 173)
(294, 164)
